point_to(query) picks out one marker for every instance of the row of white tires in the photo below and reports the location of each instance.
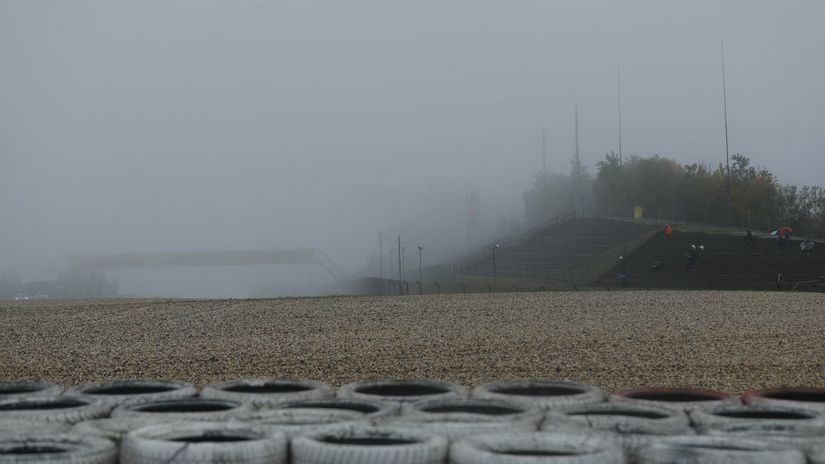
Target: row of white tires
(545, 394)
(238, 443)
(262, 393)
(633, 426)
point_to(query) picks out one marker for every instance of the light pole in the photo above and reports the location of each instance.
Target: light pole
(420, 260)
(497, 245)
(399, 266)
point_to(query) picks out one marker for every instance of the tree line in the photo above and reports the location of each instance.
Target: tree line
(668, 190)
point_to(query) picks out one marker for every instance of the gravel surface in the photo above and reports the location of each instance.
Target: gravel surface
(723, 340)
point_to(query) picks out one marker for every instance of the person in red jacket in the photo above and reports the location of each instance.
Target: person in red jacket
(668, 231)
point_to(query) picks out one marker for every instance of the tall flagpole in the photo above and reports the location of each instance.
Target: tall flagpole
(725, 110)
(578, 164)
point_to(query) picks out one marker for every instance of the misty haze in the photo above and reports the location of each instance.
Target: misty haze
(423, 232)
(141, 127)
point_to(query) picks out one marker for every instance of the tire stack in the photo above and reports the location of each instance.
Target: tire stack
(406, 422)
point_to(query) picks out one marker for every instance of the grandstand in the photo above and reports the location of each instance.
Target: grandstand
(728, 262)
(550, 252)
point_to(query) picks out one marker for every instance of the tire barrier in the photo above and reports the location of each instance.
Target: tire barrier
(56, 449)
(402, 391)
(537, 421)
(133, 391)
(536, 448)
(679, 398)
(267, 392)
(14, 390)
(203, 443)
(541, 393)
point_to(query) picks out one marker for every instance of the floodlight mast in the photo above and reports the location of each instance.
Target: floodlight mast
(578, 166)
(543, 153)
(619, 93)
(725, 111)
(420, 262)
(380, 256)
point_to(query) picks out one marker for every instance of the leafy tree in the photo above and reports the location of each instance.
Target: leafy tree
(692, 192)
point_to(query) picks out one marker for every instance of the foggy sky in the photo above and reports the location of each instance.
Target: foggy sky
(142, 126)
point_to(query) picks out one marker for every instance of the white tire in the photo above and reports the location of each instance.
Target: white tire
(14, 390)
(816, 453)
(625, 418)
(632, 426)
(805, 443)
(295, 422)
(369, 445)
(402, 391)
(199, 442)
(757, 419)
(631, 443)
(44, 448)
(372, 409)
(700, 449)
(263, 393)
(685, 399)
(535, 448)
(185, 409)
(133, 391)
(114, 428)
(812, 398)
(9, 427)
(546, 394)
(61, 409)
(463, 417)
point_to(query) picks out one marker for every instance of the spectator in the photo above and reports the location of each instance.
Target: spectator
(622, 272)
(784, 235)
(691, 258)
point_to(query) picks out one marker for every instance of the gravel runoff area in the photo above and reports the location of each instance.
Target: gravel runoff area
(724, 340)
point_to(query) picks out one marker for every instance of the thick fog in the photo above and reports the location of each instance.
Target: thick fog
(161, 126)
